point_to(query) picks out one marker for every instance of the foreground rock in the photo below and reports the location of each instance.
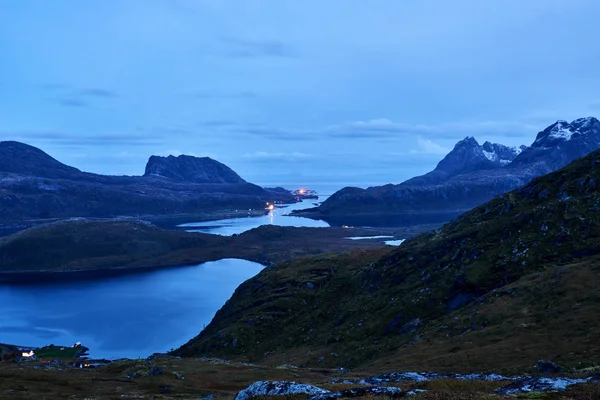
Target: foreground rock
(278, 388)
(540, 384)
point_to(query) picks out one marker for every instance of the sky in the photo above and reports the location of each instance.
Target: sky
(351, 92)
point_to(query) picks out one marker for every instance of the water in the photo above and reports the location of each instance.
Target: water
(127, 316)
(276, 217)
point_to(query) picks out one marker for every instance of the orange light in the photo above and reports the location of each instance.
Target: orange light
(271, 207)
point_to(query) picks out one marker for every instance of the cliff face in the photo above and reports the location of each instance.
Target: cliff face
(468, 176)
(191, 169)
(34, 185)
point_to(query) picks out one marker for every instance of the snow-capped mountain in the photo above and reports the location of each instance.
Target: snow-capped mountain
(559, 144)
(468, 176)
(468, 156)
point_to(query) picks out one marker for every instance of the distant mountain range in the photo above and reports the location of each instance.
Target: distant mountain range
(35, 186)
(468, 176)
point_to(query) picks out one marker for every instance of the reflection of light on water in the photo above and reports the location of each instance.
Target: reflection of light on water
(271, 218)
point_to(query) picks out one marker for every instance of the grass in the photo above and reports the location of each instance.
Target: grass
(59, 353)
(105, 245)
(218, 378)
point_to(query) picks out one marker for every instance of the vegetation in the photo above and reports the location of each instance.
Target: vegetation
(59, 353)
(506, 284)
(92, 245)
(171, 378)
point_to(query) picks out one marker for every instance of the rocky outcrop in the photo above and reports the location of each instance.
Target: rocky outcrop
(191, 169)
(278, 388)
(539, 384)
(468, 176)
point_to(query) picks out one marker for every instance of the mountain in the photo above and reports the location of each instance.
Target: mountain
(21, 158)
(468, 156)
(506, 284)
(559, 144)
(191, 169)
(35, 186)
(469, 175)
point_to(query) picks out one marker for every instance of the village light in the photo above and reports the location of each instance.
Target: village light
(30, 354)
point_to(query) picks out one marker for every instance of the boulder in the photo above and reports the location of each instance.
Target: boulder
(278, 388)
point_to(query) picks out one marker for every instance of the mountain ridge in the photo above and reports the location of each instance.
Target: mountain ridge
(439, 196)
(35, 187)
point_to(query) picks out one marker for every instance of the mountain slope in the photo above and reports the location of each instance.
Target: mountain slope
(21, 158)
(472, 281)
(191, 169)
(35, 186)
(465, 178)
(468, 156)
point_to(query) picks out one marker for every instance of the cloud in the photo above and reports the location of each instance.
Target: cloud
(245, 48)
(427, 146)
(68, 96)
(69, 102)
(209, 95)
(384, 128)
(266, 156)
(98, 93)
(77, 140)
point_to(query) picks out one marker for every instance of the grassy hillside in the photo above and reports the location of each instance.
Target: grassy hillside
(508, 283)
(88, 245)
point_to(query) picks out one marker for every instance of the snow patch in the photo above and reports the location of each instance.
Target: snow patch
(489, 155)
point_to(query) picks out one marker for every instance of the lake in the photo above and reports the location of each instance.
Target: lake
(135, 315)
(127, 316)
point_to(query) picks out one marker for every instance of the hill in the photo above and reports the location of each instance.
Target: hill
(468, 176)
(508, 283)
(105, 247)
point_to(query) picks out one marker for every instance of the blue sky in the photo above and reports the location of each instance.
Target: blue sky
(347, 91)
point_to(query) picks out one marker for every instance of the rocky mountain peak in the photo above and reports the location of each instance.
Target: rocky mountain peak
(191, 169)
(563, 131)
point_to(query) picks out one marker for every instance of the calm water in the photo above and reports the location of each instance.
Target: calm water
(238, 225)
(127, 316)
(136, 315)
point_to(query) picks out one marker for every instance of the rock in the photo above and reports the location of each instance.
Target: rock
(539, 384)
(278, 388)
(154, 371)
(387, 391)
(545, 366)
